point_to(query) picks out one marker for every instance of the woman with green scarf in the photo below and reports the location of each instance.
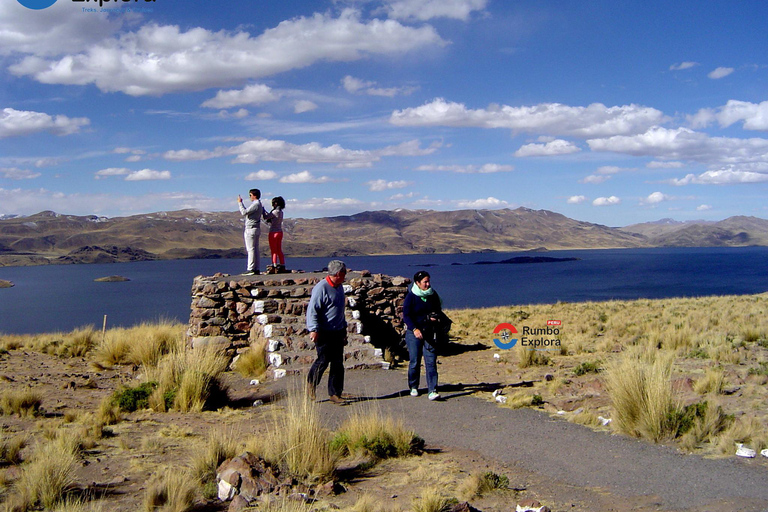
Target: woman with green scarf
(421, 310)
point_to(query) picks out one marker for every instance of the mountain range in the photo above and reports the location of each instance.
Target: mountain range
(48, 237)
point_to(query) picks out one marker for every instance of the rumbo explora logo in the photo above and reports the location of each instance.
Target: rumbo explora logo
(546, 338)
(37, 4)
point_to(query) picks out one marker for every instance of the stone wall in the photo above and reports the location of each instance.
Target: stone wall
(236, 311)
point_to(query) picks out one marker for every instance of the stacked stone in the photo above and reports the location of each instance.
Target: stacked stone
(236, 312)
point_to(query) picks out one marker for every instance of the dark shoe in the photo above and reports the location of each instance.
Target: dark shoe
(281, 269)
(338, 401)
(347, 396)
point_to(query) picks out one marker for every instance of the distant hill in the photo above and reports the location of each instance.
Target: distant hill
(731, 232)
(49, 237)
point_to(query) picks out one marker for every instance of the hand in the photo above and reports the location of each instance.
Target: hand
(417, 333)
(313, 336)
(239, 199)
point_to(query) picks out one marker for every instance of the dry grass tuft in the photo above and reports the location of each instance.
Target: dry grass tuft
(431, 500)
(188, 380)
(641, 394)
(297, 442)
(10, 448)
(171, 491)
(144, 344)
(712, 382)
(253, 362)
(23, 403)
(367, 433)
(220, 446)
(46, 478)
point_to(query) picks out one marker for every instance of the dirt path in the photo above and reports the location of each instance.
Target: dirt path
(573, 466)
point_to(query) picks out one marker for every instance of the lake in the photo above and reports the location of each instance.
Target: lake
(64, 297)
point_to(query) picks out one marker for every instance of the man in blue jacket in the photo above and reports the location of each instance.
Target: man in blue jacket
(327, 328)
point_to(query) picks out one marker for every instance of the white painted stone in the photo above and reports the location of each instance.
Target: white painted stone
(366, 339)
(352, 302)
(262, 319)
(258, 306)
(275, 359)
(356, 315)
(268, 331)
(273, 345)
(226, 491)
(377, 352)
(348, 289)
(385, 365)
(279, 374)
(255, 382)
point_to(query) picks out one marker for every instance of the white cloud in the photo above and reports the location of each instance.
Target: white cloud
(159, 59)
(256, 94)
(16, 123)
(610, 169)
(487, 203)
(261, 175)
(720, 73)
(253, 151)
(468, 169)
(328, 204)
(355, 85)
(722, 177)
(304, 177)
(424, 10)
(553, 148)
(595, 120)
(302, 106)
(41, 32)
(595, 179)
(148, 174)
(664, 165)
(576, 199)
(703, 207)
(398, 197)
(740, 155)
(656, 198)
(382, 185)
(112, 171)
(753, 115)
(682, 66)
(606, 201)
(13, 173)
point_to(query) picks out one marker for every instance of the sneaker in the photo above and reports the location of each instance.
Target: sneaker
(414, 392)
(434, 395)
(250, 273)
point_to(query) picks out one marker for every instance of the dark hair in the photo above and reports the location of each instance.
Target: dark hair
(418, 276)
(278, 202)
(255, 192)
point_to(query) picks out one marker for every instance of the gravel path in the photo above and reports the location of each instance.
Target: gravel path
(555, 449)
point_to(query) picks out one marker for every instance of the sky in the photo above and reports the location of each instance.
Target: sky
(608, 112)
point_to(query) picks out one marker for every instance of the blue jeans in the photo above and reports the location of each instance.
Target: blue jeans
(417, 348)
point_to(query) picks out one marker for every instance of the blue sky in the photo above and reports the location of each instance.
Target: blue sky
(604, 111)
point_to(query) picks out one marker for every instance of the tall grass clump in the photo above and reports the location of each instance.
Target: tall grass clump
(253, 361)
(144, 344)
(431, 500)
(640, 390)
(219, 446)
(367, 433)
(188, 380)
(479, 484)
(44, 481)
(24, 403)
(527, 357)
(170, 491)
(10, 449)
(297, 442)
